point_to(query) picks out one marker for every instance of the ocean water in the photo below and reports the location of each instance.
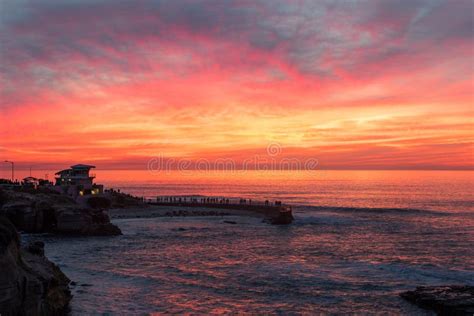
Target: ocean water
(451, 191)
(392, 231)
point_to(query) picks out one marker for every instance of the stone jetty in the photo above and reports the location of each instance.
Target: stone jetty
(275, 213)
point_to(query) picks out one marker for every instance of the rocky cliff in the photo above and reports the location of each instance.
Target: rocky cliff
(444, 299)
(29, 283)
(51, 212)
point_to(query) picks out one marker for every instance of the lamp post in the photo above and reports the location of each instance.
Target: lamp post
(31, 168)
(13, 169)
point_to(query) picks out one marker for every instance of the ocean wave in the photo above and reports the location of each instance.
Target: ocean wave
(377, 210)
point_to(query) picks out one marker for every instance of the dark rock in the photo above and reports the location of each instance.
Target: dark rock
(99, 202)
(284, 218)
(8, 235)
(53, 213)
(444, 300)
(36, 248)
(3, 197)
(85, 222)
(179, 229)
(21, 214)
(29, 283)
(122, 200)
(230, 222)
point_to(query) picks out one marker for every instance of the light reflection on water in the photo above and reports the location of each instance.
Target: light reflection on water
(415, 189)
(327, 261)
(351, 260)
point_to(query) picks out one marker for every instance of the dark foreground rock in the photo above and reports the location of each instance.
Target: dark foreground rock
(284, 218)
(30, 284)
(230, 222)
(444, 300)
(124, 200)
(53, 213)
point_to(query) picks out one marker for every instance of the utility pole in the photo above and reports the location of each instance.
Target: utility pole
(13, 169)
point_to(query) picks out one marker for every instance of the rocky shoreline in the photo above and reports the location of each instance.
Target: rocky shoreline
(30, 284)
(50, 212)
(444, 300)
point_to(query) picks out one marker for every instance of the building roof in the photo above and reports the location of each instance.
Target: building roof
(30, 179)
(63, 171)
(81, 166)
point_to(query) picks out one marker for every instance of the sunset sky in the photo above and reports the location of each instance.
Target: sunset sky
(355, 84)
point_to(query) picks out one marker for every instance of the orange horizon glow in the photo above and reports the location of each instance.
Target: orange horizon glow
(356, 87)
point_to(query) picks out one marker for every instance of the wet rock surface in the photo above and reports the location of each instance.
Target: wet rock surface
(444, 300)
(30, 284)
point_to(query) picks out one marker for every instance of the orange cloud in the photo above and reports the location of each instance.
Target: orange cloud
(383, 86)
